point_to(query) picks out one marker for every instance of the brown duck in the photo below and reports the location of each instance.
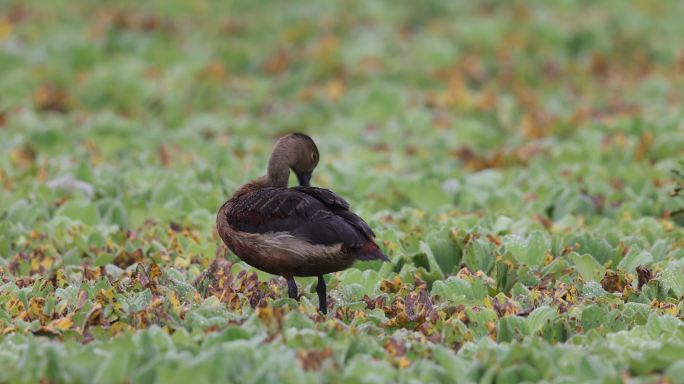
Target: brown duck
(298, 231)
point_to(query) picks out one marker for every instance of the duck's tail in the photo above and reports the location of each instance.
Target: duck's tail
(370, 251)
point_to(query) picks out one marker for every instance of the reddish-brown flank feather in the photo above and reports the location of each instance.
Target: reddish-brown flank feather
(368, 251)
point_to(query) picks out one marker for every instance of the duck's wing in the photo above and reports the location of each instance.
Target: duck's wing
(339, 206)
(315, 215)
(328, 197)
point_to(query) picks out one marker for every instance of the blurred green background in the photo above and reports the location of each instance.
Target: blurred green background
(514, 157)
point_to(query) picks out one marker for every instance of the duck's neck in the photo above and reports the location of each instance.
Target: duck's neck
(278, 175)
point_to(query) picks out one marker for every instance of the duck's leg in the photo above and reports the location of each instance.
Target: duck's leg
(322, 298)
(292, 288)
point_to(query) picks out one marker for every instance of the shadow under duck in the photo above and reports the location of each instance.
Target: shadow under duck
(297, 231)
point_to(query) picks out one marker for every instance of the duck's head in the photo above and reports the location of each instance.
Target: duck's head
(297, 152)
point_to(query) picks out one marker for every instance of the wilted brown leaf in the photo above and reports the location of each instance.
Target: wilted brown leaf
(216, 279)
(395, 347)
(312, 360)
(391, 286)
(614, 281)
(164, 155)
(51, 98)
(418, 305)
(277, 63)
(125, 259)
(645, 275)
(505, 306)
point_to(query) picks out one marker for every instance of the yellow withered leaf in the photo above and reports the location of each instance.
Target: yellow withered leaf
(154, 272)
(60, 278)
(174, 301)
(5, 29)
(403, 362)
(62, 324)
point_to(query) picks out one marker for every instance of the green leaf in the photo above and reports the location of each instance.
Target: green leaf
(673, 278)
(537, 246)
(432, 266)
(529, 251)
(634, 259)
(659, 325)
(424, 194)
(479, 256)
(80, 210)
(540, 317)
(453, 289)
(114, 368)
(588, 268)
(446, 251)
(675, 372)
(598, 248)
(367, 279)
(140, 301)
(512, 328)
(594, 316)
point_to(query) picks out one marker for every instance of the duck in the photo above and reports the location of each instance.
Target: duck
(294, 231)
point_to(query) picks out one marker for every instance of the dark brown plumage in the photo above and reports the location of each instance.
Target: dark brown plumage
(298, 231)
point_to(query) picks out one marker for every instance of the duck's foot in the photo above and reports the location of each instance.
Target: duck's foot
(322, 298)
(292, 288)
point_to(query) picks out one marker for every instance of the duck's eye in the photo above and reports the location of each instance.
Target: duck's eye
(314, 156)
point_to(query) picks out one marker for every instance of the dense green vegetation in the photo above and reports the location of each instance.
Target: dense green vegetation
(515, 159)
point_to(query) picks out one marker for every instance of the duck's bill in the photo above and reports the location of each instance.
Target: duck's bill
(304, 178)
